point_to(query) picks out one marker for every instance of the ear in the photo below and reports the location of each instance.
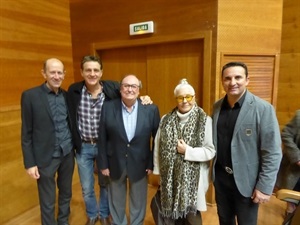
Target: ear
(43, 73)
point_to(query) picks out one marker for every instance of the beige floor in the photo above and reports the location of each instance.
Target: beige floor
(269, 214)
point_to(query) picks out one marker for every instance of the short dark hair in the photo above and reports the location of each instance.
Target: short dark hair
(233, 64)
(91, 58)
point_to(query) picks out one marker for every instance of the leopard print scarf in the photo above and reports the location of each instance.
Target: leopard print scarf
(179, 178)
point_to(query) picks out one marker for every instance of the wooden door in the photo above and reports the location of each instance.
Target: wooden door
(159, 67)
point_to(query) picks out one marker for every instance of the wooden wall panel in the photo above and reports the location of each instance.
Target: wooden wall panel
(112, 23)
(124, 61)
(289, 75)
(31, 31)
(248, 27)
(170, 62)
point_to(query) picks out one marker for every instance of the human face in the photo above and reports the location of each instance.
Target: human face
(91, 73)
(234, 82)
(130, 88)
(54, 74)
(185, 106)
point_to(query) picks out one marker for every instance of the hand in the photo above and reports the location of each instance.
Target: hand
(105, 172)
(181, 146)
(33, 172)
(146, 100)
(148, 171)
(259, 197)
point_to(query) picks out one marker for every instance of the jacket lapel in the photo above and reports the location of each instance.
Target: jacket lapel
(244, 113)
(44, 100)
(140, 119)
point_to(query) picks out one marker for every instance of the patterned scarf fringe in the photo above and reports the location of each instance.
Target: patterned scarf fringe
(179, 214)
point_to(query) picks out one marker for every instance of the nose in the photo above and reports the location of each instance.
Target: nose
(232, 82)
(56, 75)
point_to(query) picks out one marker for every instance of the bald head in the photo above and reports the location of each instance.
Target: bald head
(50, 61)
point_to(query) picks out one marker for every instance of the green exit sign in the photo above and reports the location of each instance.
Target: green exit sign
(141, 28)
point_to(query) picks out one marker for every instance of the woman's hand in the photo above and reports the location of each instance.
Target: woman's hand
(181, 146)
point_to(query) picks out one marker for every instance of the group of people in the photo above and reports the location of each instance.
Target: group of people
(108, 122)
(56, 122)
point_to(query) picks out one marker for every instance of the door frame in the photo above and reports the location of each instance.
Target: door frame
(204, 36)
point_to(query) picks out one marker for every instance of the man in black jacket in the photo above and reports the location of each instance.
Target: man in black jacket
(46, 143)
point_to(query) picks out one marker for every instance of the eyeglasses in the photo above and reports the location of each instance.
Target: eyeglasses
(132, 86)
(181, 98)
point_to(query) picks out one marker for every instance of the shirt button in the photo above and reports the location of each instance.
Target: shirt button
(128, 145)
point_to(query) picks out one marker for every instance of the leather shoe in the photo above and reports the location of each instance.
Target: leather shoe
(91, 221)
(105, 221)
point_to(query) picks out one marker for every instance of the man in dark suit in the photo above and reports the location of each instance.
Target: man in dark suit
(126, 128)
(247, 138)
(46, 143)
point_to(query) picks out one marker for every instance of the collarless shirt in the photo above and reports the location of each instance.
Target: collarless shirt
(89, 112)
(225, 127)
(130, 119)
(59, 114)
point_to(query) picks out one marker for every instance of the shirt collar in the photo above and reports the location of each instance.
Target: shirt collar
(238, 104)
(49, 91)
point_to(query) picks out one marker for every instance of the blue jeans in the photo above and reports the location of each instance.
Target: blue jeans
(85, 161)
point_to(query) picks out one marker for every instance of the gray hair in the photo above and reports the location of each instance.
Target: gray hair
(183, 84)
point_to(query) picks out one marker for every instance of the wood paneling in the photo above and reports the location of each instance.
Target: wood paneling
(249, 26)
(289, 75)
(160, 67)
(112, 24)
(30, 32)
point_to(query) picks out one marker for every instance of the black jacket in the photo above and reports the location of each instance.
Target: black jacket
(111, 90)
(38, 130)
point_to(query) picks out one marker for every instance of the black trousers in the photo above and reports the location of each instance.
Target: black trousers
(59, 173)
(231, 205)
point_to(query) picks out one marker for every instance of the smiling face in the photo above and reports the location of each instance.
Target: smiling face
(54, 74)
(185, 97)
(234, 81)
(130, 89)
(91, 72)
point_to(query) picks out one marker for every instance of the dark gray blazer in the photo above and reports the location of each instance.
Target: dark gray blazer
(116, 152)
(38, 131)
(289, 172)
(255, 145)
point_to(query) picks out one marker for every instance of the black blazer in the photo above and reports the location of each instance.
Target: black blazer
(37, 131)
(116, 152)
